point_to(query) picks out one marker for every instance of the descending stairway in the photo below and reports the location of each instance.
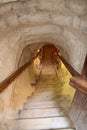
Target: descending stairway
(42, 112)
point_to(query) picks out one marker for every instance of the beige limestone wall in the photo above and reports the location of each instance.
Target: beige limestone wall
(61, 22)
(12, 99)
(23, 88)
(64, 90)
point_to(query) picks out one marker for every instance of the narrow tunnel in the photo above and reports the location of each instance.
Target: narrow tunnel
(40, 96)
(48, 107)
(43, 46)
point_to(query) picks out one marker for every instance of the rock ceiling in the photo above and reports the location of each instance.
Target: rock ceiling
(60, 22)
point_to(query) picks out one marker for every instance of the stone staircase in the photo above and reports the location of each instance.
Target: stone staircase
(42, 112)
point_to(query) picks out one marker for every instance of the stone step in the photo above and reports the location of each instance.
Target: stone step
(65, 129)
(44, 123)
(49, 71)
(46, 86)
(38, 113)
(43, 90)
(47, 89)
(45, 94)
(58, 129)
(34, 105)
(42, 98)
(37, 91)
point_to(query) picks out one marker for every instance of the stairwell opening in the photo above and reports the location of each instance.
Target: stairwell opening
(48, 64)
(48, 58)
(52, 98)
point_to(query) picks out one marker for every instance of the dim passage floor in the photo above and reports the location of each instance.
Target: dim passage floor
(47, 108)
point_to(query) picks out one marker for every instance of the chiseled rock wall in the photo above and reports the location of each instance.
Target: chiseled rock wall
(61, 22)
(64, 90)
(12, 98)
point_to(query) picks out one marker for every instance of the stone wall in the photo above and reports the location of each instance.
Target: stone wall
(64, 90)
(12, 98)
(60, 22)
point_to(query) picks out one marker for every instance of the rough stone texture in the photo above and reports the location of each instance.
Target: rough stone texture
(63, 88)
(14, 96)
(60, 22)
(24, 22)
(22, 88)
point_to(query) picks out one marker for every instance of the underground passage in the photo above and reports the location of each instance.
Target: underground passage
(48, 107)
(43, 65)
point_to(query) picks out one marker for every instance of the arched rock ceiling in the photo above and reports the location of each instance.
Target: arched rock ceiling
(61, 22)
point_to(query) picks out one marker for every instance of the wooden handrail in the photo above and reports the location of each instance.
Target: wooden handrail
(10, 78)
(69, 67)
(77, 81)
